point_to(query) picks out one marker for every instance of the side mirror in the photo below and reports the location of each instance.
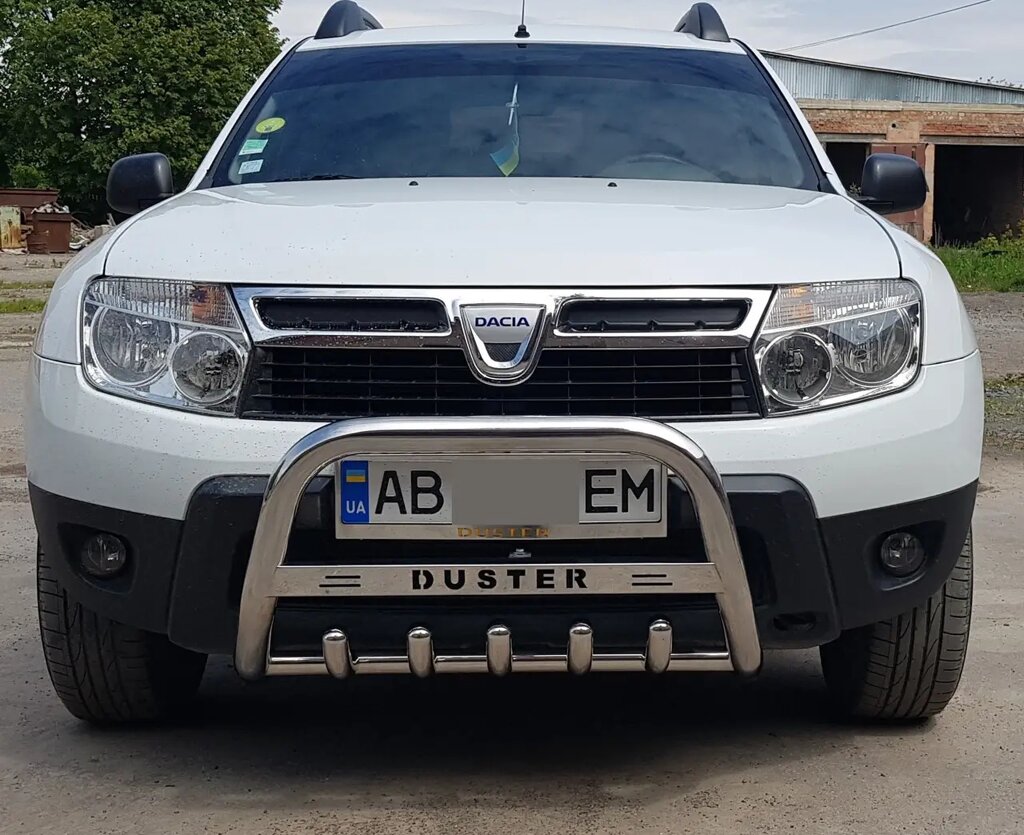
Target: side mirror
(893, 184)
(136, 183)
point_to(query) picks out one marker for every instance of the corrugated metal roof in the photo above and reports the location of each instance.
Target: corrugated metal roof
(808, 78)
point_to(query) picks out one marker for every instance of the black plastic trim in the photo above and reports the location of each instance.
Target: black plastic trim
(704, 21)
(854, 544)
(652, 316)
(344, 18)
(140, 595)
(353, 315)
(809, 577)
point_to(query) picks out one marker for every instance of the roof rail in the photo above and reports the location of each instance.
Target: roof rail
(704, 22)
(344, 18)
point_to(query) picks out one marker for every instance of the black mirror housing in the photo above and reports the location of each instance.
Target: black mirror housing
(893, 184)
(138, 182)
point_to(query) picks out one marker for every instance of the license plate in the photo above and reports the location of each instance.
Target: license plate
(501, 497)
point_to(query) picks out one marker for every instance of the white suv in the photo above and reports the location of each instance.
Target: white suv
(493, 350)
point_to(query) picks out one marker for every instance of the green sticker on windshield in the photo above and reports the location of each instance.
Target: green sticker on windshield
(253, 146)
(272, 125)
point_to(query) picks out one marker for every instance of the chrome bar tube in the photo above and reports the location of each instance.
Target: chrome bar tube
(421, 652)
(499, 650)
(580, 654)
(659, 647)
(337, 657)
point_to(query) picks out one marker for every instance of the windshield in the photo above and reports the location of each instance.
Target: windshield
(508, 110)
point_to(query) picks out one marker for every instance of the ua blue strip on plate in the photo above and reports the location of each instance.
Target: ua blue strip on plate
(355, 492)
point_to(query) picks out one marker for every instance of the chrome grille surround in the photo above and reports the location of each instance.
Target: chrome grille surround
(550, 339)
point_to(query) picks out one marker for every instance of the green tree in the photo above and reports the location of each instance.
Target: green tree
(84, 82)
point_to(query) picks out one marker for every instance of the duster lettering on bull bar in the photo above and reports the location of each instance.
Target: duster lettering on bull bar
(268, 579)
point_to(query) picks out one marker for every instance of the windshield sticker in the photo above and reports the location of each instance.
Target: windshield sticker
(507, 159)
(253, 166)
(271, 125)
(253, 146)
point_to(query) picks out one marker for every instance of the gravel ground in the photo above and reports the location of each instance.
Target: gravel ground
(30, 268)
(539, 755)
(999, 324)
(702, 753)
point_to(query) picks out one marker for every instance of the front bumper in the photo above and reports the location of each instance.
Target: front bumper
(119, 453)
(813, 497)
(809, 577)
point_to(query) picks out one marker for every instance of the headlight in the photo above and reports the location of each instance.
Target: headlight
(826, 344)
(176, 343)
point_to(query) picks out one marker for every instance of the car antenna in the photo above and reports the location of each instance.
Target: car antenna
(522, 31)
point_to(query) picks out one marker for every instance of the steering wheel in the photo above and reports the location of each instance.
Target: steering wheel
(616, 168)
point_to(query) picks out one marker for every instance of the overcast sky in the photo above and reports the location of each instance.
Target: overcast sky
(982, 42)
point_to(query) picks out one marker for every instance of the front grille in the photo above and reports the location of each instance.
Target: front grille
(353, 315)
(607, 316)
(338, 383)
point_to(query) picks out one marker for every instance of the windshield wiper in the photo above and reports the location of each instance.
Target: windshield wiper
(315, 177)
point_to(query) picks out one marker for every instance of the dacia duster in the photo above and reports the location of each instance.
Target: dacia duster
(501, 350)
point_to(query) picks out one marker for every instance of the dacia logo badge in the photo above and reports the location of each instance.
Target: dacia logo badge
(502, 341)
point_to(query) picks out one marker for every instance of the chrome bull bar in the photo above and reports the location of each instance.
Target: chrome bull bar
(267, 578)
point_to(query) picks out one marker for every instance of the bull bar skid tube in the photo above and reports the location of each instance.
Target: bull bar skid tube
(267, 578)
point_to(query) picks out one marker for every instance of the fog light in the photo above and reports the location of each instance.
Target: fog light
(104, 555)
(902, 554)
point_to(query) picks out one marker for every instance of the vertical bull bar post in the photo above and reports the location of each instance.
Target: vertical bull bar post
(507, 435)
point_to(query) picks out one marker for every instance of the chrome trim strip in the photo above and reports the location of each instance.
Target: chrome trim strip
(624, 662)
(454, 298)
(460, 664)
(706, 662)
(384, 665)
(299, 666)
(425, 436)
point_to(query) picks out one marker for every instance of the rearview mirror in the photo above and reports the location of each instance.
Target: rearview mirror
(893, 184)
(138, 182)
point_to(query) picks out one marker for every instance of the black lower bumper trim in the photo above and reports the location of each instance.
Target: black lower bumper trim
(810, 578)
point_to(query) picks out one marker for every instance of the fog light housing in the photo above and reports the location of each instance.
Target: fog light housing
(104, 555)
(902, 554)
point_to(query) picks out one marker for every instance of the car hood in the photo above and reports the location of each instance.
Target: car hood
(505, 233)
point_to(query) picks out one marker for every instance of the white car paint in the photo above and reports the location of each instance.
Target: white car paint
(921, 442)
(495, 232)
(510, 233)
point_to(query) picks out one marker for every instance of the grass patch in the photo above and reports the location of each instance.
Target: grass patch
(22, 306)
(25, 285)
(995, 264)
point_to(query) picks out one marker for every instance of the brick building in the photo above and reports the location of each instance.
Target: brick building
(969, 138)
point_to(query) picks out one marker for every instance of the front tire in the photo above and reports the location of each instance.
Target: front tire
(106, 672)
(908, 667)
